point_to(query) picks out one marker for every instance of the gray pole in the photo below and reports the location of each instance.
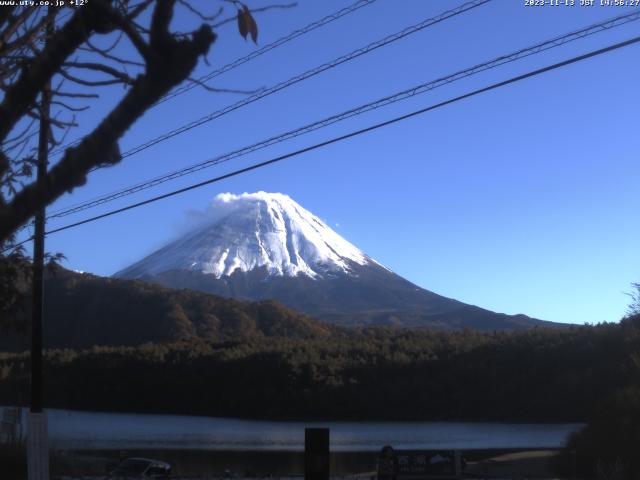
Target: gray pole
(37, 441)
(38, 264)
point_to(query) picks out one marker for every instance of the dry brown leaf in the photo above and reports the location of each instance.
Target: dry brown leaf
(251, 24)
(242, 24)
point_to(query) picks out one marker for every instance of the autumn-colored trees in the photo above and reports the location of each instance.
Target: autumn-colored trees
(536, 375)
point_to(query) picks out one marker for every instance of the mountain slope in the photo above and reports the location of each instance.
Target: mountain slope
(371, 299)
(82, 310)
(265, 246)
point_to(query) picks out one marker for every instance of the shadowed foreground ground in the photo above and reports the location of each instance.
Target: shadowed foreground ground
(503, 464)
(527, 464)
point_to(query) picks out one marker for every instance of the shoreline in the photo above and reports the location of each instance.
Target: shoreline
(529, 463)
(308, 419)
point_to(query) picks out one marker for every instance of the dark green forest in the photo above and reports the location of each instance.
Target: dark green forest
(387, 374)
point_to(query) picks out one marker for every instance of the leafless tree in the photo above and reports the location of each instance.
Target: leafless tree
(67, 48)
(73, 53)
(634, 306)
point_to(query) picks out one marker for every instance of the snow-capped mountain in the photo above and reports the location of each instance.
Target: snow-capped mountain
(266, 246)
(255, 230)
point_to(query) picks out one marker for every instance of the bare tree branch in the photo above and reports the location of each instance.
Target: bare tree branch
(31, 35)
(121, 76)
(167, 58)
(224, 90)
(105, 53)
(6, 13)
(91, 83)
(62, 44)
(14, 24)
(58, 93)
(200, 15)
(22, 134)
(170, 62)
(138, 9)
(69, 107)
(54, 121)
(134, 37)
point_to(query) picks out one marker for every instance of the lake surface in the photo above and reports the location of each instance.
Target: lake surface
(89, 430)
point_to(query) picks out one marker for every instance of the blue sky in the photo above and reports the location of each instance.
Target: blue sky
(521, 200)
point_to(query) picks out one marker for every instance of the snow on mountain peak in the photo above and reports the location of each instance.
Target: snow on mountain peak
(255, 230)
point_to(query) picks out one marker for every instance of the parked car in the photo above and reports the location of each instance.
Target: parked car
(141, 468)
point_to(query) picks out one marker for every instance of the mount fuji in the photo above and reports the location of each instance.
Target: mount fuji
(262, 245)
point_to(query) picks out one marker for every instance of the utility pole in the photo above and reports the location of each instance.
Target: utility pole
(37, 440)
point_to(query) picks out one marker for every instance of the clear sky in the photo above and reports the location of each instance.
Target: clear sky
(521, 200)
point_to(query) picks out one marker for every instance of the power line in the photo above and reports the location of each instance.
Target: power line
(402, 95)
(355, 133)
(247, 58)
(256, 53)
(306, 75)
(309, 74)
(13, 246)
(341, 138)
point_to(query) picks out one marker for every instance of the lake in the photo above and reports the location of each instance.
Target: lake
(90, 430)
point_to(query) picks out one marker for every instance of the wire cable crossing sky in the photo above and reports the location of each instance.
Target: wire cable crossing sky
(353, 134)
(309, 74)
(247, 58)
(399, 96)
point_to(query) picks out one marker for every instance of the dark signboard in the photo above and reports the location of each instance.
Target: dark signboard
(316, 454)
(428, 463)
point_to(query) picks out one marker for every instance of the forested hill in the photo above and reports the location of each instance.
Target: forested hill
(82, 310)
(378, 373)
